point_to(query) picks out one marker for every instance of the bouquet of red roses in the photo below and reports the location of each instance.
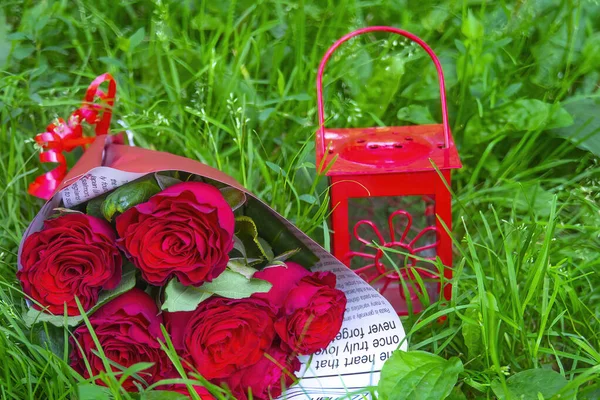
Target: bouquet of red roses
(236, 314)
(143, 254)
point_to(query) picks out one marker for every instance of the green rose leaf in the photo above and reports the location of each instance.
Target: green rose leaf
(165, 181)
(418, 375)
(277, 234)
(33, 316)
(527, 384)
(236, 286)
(129, 195)
(230, 284)
(240, 266)
(58, 212)
(235, 198)
(279, 261)
(238, 246)
(94, 207)
(284, 256)
(266, 248)
(184, 298)
(255, 246)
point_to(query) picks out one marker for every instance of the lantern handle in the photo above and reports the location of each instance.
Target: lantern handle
(420, 42)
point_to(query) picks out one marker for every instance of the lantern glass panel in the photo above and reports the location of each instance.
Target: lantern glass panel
(386, 233)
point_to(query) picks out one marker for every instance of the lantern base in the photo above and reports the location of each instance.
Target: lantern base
(409, 299)
(401, 268)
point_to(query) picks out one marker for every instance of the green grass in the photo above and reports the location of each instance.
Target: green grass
(231, 83)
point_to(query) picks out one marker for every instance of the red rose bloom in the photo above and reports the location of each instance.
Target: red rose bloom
(73, 256)
(127, 329)
(267, 378)
(312, 314)
(311, 308)
(223, 335)
(184, 231)
(283, 279)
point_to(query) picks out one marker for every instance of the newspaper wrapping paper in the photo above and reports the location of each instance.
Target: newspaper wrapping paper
(371, 330)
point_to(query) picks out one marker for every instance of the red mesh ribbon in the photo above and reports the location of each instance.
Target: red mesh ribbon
(64, 136)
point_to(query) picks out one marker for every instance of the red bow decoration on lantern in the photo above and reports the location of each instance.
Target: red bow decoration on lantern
(64, 136)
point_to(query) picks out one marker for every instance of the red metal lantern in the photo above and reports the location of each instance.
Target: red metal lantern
(386, 174)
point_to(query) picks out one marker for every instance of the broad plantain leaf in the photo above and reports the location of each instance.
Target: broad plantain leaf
(5, 44)
(377, 93)
(129, 195)
(33, 316)
(590, 392)
(88, 391)
(415, 114)
(418, 375)
(586, 129)
(527, 384)
(472, 28)
(229, 284)
(472, 331)
(136, 39)
(517, 116)
(456, 394)
(50, 337)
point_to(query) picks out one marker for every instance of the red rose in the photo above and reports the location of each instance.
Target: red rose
(267, 378)
(127, 328)
(312, 309)
(223, 335)
(73, 256)
(283, 279)
(176, 323)
(184, 231)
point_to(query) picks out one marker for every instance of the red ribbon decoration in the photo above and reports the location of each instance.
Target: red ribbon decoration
(64, 136)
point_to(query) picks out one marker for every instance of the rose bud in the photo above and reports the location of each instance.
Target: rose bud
(277, 367)
(311, 308)
(127, 328)
(184, 231)
(73, 256)
(223, 335)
